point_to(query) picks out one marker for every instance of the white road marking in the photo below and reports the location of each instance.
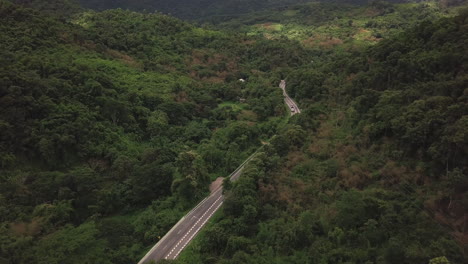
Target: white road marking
(233, 176)
(190, 239)
(180, 241)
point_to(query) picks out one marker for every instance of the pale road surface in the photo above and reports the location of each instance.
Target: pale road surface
(170, 246)
(288, 100)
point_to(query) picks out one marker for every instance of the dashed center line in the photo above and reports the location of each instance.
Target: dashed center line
(198, 229)
(184, 223)
(190, 239)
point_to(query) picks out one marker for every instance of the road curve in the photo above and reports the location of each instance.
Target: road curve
(172, 244)
(288, 100)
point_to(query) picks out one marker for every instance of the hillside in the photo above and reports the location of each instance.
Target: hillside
(220, 10)
(205, 10)
(324, 26)
(187, 9)
(113, 124)
(372, 171)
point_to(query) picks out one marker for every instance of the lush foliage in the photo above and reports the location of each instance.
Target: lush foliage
(323, 26)
(113, 124)
(189, 9)
(373, 170)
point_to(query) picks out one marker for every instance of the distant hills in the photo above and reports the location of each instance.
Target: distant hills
(199, 9)
(191, 9)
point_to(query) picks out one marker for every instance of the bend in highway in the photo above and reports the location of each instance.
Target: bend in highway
(172, 244)
(288, 100)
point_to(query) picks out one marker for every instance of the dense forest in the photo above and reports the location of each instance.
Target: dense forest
(113, 124)
(324, 26)
(188, 9)
(373, 170)
(202, 10)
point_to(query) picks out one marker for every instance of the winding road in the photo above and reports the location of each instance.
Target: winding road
(288, 100)
(172, 244)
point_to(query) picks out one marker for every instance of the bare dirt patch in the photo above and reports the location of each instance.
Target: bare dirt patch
(268, 26)
(363, 31)
(210, 67)
(249, 42)
(330, 43)
(26, 229)
(216, 184)
(322, 41)
(123, 58)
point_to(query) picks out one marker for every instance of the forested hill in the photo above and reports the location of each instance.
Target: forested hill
(373, 170)
(189, 9)
(113, 124)
(203, 9)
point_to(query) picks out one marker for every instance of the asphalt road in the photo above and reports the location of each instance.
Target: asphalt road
(172, 244)
(288, 100)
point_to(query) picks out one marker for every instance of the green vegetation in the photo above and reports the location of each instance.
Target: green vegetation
(372, 171)
(188, 9)
(324, 26)
(119, 114)
(114, 123)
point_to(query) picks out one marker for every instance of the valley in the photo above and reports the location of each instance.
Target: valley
(114, 123)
